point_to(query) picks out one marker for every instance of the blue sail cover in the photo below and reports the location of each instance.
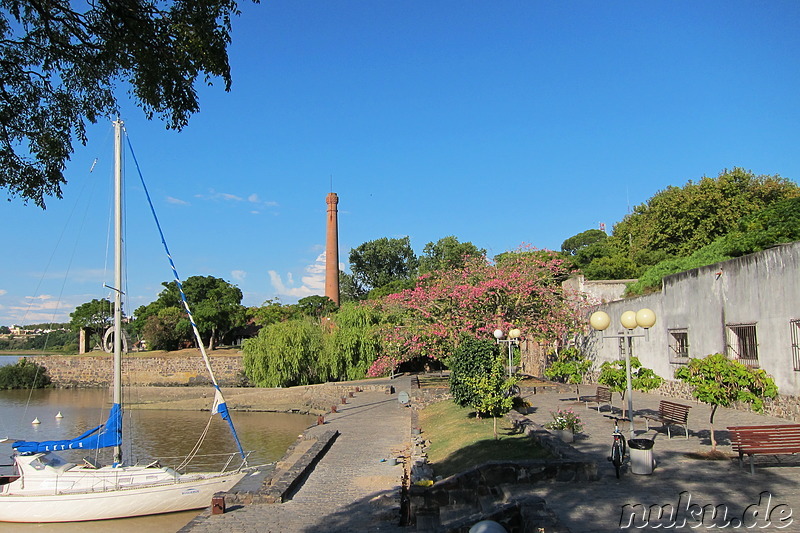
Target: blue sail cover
(103, 436)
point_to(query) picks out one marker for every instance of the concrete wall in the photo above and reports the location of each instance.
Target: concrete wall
(96, 370)
(761, 289)
(601, 290)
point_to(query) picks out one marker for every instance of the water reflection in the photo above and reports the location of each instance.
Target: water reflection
(150, 435)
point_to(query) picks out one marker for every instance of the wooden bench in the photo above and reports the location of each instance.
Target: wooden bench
(671, 414)
(601, 397)
(766, 440)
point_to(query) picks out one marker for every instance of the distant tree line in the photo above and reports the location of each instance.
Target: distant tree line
(680, 228)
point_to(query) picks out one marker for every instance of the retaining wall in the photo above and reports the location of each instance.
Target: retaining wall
(70, 371)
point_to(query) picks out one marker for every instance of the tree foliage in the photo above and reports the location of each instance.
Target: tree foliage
(382, 261)
(779, 223)
(62, 65)
(24, 374)
(522, 289)
(447, 254)
(719, 381)
(168, 329)
(215, 304)
(680, 220)
(94, 316)
(307, 350)
(569, 366)
(472, 359)
(316, 306)
(614, 376)
(491, 393)
(284, 354)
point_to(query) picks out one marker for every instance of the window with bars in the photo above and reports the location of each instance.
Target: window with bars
(678, 345)
(743, 344)
(795, 325)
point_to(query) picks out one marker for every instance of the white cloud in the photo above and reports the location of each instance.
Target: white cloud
(313, 282)
(176, 201)
(238, 275)
(3, 291)
(253, 198)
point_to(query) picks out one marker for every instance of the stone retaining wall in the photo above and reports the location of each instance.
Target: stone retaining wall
(784, 406)
(70, 371)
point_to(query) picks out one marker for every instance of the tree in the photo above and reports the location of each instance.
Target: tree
(23, 375)
(491, 392)
(284, 354)
(583, 240)
(272, 311)
(778, 223)
(719, 381)
(94, 316)
(614, 376)
(379, 262)
(680, 220)
(570, 367)
(352, 342)
(61, 67)
(447, 254)
(522, 289)
(215, 304)
(166, 330)
(316, 306)
(472, 359)
(350, 290)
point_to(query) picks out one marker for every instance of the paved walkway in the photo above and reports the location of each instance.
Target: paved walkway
(354, 487)
(598, 507)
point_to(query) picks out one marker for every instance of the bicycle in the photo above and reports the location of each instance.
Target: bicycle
(618, 447)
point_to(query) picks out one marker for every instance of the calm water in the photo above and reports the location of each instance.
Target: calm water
(8, 359)
(153, 435)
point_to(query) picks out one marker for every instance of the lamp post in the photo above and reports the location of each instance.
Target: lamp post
(511, 341)
(644, 318)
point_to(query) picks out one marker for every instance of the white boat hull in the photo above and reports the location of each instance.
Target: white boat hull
(181, 495)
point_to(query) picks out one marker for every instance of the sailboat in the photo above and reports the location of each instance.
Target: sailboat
(46, 488)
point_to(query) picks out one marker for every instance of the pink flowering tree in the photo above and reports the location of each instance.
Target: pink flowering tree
(521, 289)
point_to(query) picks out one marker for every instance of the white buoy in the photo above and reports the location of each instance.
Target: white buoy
(35, 421)
(59, 415)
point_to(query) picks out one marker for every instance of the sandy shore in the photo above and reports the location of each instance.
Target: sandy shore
(309, 399)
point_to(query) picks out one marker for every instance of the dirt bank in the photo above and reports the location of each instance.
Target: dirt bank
(310, 399)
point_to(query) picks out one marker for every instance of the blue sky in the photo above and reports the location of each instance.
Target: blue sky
(501, 123)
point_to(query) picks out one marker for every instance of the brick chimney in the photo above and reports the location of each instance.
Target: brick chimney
(332, 249)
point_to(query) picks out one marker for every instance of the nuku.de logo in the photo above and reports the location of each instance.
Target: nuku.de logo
(684, 514)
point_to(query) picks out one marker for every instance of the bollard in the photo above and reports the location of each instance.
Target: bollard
(218, 504)
(344, 400)
(333, 408)
(320, 420)
(350, 394)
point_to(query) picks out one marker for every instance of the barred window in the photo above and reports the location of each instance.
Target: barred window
(743, 344)
(678, 345)
(795, 325)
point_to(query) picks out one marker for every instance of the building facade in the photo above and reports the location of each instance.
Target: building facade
(747, 308)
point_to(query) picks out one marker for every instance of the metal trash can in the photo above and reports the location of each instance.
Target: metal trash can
(641, 451)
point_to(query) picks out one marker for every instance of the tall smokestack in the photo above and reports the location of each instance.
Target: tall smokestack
(332, 249)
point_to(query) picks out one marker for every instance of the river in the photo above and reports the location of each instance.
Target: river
(153, 434)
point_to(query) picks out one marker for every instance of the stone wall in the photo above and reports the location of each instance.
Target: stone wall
(97, 370)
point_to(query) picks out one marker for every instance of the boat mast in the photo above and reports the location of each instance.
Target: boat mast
(118, 124)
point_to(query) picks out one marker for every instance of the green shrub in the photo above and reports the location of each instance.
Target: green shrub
(473, 358)
(24, 374)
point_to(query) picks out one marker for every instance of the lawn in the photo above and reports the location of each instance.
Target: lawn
(459, 440)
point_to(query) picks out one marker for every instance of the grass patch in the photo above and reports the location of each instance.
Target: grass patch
(460, 441)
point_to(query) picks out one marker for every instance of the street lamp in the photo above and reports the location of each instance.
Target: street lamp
(511, 341)
(644, 318)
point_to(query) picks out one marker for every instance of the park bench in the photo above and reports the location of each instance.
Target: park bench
(671, 414)
(601, 397)
(766, 440)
